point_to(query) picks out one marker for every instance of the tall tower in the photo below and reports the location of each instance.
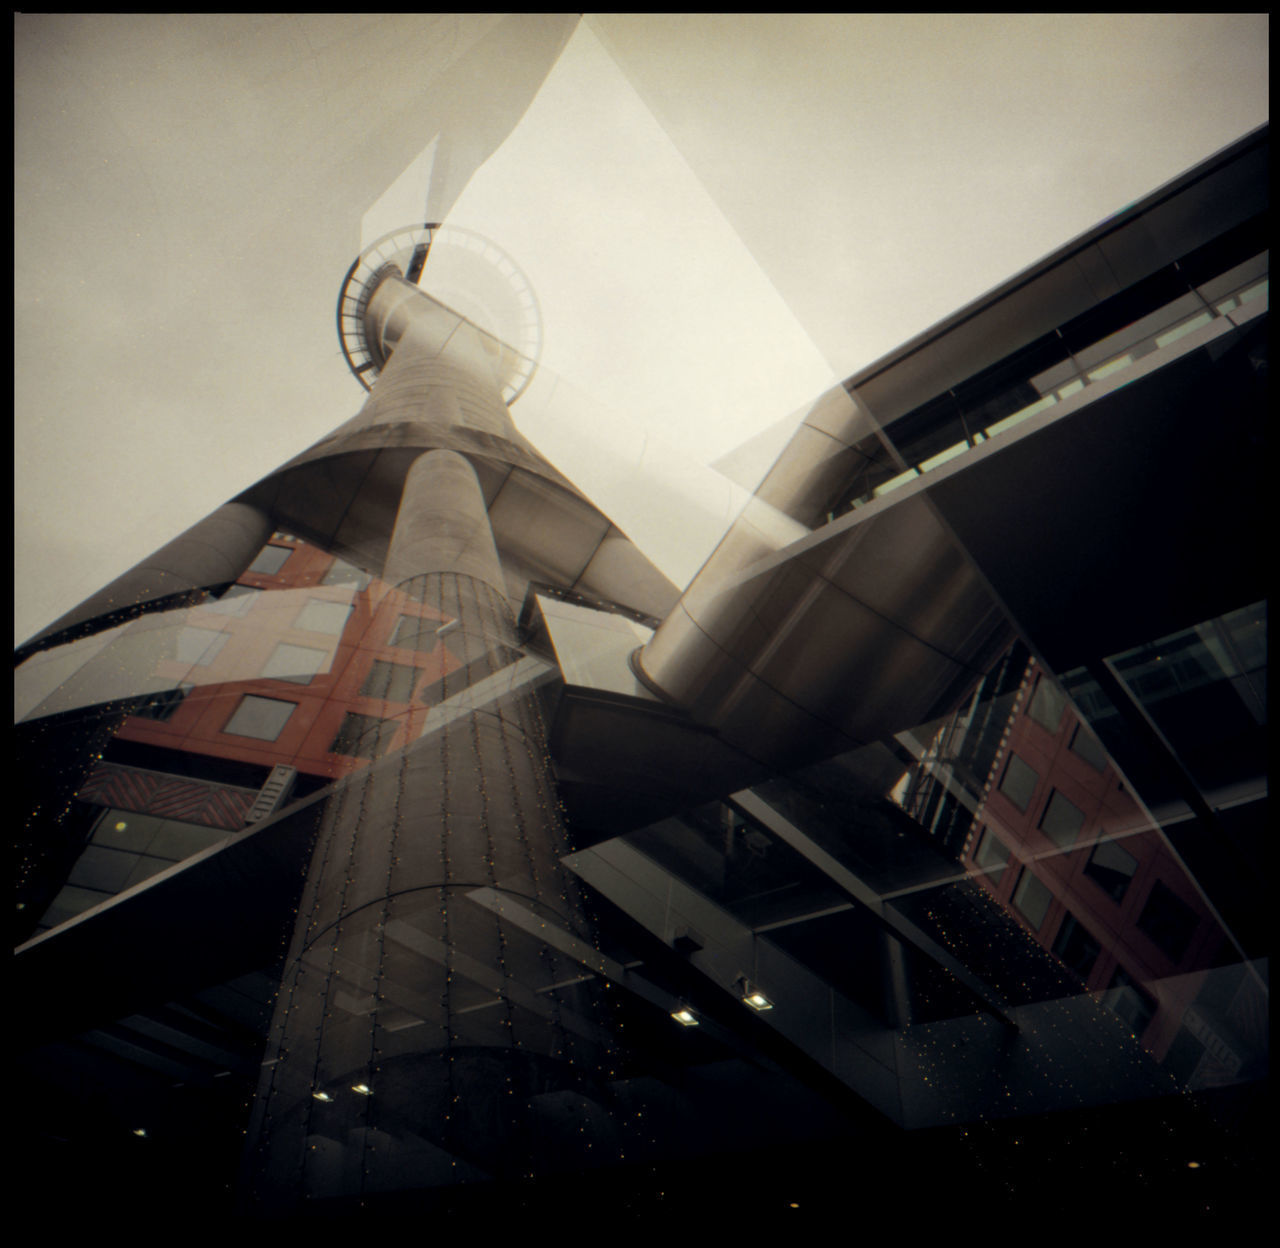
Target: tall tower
(438, 1020)
(399, 837)
(421, 1015)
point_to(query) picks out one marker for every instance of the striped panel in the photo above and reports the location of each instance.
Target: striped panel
(167, 797)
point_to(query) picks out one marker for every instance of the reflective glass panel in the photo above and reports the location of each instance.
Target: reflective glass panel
(199, 645)
(363, 736)
(1061, 821)
(1047, 704)
(320, 616)
(1085, 744)
(392, 681)
(414, 632)
(1032, 897)
(295, 663)
(1019, 782)
(1111, 867)
(343, 573)
(259, 717)
(270, 560)
(992, 856)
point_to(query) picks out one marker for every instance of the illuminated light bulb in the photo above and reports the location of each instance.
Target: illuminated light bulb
(685, 1016)
(363, 1088)
(752, 996)
(322, 1096)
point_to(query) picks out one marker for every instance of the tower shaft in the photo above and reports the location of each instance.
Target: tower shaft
(421, 1014)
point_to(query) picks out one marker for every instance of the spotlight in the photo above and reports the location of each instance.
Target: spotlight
(752, 996)
(685, 1016)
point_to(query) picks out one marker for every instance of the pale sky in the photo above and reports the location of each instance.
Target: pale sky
(721, 215)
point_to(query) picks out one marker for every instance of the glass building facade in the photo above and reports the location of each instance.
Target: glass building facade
(424, 849)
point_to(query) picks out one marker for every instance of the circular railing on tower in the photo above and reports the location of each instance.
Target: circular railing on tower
(462, 270)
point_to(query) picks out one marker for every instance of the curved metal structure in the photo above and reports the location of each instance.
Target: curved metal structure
(506, 307)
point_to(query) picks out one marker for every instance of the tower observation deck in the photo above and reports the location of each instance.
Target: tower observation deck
(468, 273)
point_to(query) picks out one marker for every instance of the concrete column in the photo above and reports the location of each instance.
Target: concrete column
(442, 525)
(427, 1034)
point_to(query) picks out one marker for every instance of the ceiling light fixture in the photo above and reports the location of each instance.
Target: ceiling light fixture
(752, 996)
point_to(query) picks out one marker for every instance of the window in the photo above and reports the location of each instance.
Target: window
(1075, 947)
(1061, 821)
(1127, 1001)
(1111, 366)
(454, 682)
(1085, 745)
(263, 718)
(1047, 704)
(413, 632)
(342, 573)
(1111, 868)
(295, 663)
(393, 681)
(992, 856)
(1032, 898)
(270, 559)
(199, 645)
(1019, 782)
(363, 736)
(236, 601)
(319, 616)
(1168, 920)
(162, 705)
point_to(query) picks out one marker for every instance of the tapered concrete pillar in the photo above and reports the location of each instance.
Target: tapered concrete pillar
(442, 525)
(427, 1032)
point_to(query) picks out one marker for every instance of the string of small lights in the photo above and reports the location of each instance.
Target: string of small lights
(372, 1104)
(287, 997)
(333, 932)
(453, 611)
(498, 825)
